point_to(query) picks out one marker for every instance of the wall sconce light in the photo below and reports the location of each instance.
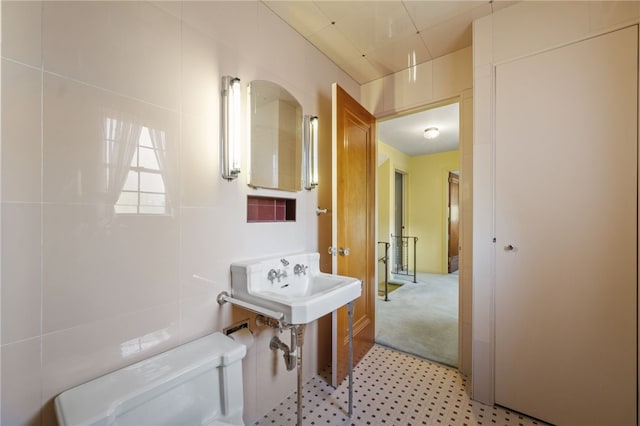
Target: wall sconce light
(310, 152)
(230, 128)
(431, 133)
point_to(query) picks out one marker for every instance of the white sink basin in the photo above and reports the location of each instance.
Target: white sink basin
(296, 287)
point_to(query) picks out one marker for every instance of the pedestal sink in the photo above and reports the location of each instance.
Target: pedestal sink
(292, 290)
(292, 285)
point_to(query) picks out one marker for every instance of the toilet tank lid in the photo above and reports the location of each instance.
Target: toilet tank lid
(88, 402)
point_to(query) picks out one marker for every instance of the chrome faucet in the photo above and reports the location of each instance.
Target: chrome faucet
(273, 274)
(299, 269)
(284, 261)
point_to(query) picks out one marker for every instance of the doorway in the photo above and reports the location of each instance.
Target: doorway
(398, 229)
(420, 315)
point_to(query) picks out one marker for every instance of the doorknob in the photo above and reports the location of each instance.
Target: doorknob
(344, 251)
(331, 251)
(509, 248)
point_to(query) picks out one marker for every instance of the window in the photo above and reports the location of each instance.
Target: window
(139, 184)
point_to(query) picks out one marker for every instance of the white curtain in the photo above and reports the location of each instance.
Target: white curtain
(121, 140)
(159, 141)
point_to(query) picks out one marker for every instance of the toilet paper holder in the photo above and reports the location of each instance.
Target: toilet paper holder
(236, 327)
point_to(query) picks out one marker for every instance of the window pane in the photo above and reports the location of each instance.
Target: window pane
(145, 139)
(152, 210)
(131, 184)
(158, 200)
(151, 182)
(128, 199)
(126, 209)
(148, 159)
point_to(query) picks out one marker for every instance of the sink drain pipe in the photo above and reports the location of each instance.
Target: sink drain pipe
(292, 354)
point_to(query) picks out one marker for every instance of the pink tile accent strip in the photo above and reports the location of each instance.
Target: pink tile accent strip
(270, 209)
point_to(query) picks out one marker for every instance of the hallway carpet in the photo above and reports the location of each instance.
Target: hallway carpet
(422, 318)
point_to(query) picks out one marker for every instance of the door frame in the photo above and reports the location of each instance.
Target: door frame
(398, 252)
(465, 202)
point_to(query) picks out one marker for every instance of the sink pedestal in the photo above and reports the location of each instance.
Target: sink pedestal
(297, 341)
(289, 292)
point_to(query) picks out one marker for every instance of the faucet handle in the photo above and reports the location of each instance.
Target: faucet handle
(284, 261)
(272, 275)
(299, 269)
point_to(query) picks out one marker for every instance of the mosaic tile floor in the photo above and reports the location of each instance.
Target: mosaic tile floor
(393, 388)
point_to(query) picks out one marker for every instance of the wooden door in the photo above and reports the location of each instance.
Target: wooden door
(354, 224)
(454, 223)
(566, 249)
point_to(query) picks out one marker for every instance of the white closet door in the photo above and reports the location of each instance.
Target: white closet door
(566, 235)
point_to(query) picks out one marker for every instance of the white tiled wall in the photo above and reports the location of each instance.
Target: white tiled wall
(85, 291)
(516, 31)
(426, 83)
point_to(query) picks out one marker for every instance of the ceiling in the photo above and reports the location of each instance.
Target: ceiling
(371, 39)
(406, 133)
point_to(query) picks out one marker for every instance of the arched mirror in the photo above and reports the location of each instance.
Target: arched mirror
(276, 137)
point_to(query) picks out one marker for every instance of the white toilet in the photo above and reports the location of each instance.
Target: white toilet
(198, 383)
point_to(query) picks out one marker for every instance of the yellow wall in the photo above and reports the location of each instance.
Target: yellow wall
(427, 208)
(425, 204)
(384, 200)
(390, 160)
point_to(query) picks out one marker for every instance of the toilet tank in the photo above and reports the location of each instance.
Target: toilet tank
(198, 383)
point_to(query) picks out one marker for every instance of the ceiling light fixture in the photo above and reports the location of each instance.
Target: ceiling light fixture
(431, 133)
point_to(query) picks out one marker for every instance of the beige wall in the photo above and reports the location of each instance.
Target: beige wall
(523, 29)
(85, 291)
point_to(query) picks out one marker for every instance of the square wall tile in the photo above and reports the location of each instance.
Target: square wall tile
(201, 181)
(411, 87)
(77, 355)
(529, 27)
(21, 271)
(604, 14)
(202, 70)
(371, 96)
(452, 74)
(99, 265)
(200, 316)
(482, 30)
(272, 373)
(21, 369)
(21, 132)
(131, 48)
(90, 142)
(22, 31)
(229, 23)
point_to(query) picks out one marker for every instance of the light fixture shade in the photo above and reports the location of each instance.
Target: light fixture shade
(431, 133)
(230, 128)
(310, 152)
